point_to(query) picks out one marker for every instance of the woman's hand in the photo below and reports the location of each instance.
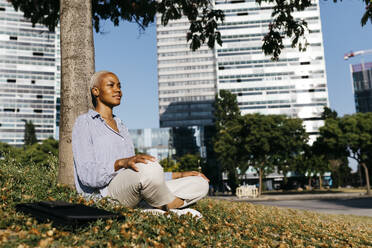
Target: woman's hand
(130, 163)
(176, 175)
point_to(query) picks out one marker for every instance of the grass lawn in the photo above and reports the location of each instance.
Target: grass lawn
(225, 224)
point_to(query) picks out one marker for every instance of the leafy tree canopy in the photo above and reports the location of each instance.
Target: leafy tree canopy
(189, 162)
(40, 154)
(329, 113)
(226, 109)
(350, 135)
(169, 165)
(30, 135)
(203, 18)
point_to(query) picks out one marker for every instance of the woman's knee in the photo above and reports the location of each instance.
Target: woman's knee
(152, 173)
(204, 186)
(201, 184)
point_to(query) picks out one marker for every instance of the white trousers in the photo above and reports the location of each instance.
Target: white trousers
(130, 187)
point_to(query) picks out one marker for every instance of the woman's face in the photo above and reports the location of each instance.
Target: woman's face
(109, 90)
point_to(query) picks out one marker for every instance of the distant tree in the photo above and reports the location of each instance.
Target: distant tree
(338, 162)
(340, 171)
(184, 141)
(261, 140)
(227, 141)
(226, 109)
(351, 134)
(30, 135)
(290, 144)
(312, 163)
(329, 113)
(190, 162)
(169, 165)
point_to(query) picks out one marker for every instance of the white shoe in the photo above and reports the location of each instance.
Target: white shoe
(153, 211)
(194, 213)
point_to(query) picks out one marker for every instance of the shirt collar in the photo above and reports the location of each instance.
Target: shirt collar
(94, 114)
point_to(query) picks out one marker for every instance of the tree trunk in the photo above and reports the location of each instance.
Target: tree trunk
(310, 187)
(320, 181)
(367, 178)
(77, 56)
(260, 182)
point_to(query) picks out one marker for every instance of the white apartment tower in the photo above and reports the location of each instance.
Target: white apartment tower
(296, 85)
(187, 79)
(29, 76)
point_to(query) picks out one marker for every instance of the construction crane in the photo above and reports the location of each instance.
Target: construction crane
(353, 54)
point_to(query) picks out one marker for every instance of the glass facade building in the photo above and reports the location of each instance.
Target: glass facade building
(156, 142)
(362, 84)
(296, 85)
(29, 76)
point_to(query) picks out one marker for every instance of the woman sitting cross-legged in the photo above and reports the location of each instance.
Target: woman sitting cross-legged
(105, 163)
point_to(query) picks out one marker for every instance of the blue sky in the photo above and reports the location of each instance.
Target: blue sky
(131, 54)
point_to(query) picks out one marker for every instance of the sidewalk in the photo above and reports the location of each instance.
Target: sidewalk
(289, 197)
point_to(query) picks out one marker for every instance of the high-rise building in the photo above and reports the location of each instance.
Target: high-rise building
(187, 79)
(29, 76)
(362, 84)
(296, 85)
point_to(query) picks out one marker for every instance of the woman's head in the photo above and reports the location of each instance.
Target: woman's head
(105, 89)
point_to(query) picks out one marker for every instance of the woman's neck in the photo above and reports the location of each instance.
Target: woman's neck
(104, 111)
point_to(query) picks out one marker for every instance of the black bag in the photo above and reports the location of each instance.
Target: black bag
(64, 213)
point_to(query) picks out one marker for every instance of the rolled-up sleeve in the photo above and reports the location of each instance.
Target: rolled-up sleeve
(168, 176)
(91, 171)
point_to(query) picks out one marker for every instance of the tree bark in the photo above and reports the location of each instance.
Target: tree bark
(320, 181)
(77, 66)
(367, 178)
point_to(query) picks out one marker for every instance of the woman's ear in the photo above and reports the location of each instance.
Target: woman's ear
(95, 91)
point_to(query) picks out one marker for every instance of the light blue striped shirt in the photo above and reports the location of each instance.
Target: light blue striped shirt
(96, 147)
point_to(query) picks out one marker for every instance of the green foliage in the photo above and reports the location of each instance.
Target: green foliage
(285, 23)
(311, 161)
(226, 141)
(226, 109)
(340, 171)
(329, 114)
(189, 162)
(271, 140)
(349, 136)
(40, 153)
(169, 165)
(203, 19)
(30, 136)
(260, 141)
(7, 150)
